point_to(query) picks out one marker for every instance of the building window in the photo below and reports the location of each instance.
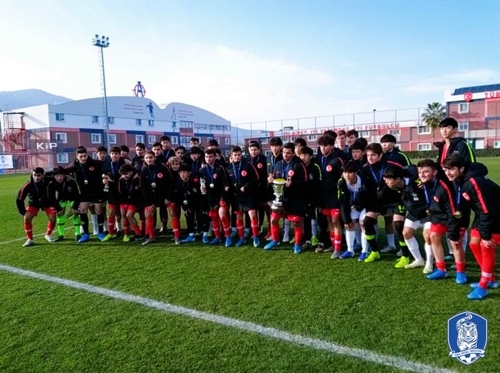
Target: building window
(226, 152)
(217, 139)
(315, 151)
(311, 137)
(496, 144)
(139, 138)
(423, 130)
(151, 139)
(62, 157)
(227, 141)
(364, 134)
(268, 153)
(95, 119)
(111, 120)
(60, 117)
(424, 146)
(394, 132)
(463, 107)
(95, 138)
(463, 126)
(112, 138)
(138, 122)
(264, 141)
(174, 140)
(151, 123)
(184, 140)
(62, 137)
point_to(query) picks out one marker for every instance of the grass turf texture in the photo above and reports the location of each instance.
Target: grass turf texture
(46, 327)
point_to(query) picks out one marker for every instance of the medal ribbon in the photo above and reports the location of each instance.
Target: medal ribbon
(379, 178)
(284, 170)
(210, 172)
(426, 192)
(459, 188)
(236, 173)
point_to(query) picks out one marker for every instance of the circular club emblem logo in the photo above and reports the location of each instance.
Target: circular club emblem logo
(160, 175)
(329, 168)
(468, 96)
(215, 176)
(291, 173)
(259, 165)
(243, 173)
(196, 179)
(91, 168)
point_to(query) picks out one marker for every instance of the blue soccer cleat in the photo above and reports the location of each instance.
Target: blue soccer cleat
(297, 249)
(101, 236)
(205, 239)
(256, 241)
(240, 242)
(346, 255)
(190, 238)
(85, 238)
(215, 241)
(491, 285)
(362, 257)
(271, 245)
(437, 275)
(478, 293)
(460, 278)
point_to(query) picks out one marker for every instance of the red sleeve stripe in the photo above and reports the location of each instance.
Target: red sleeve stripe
(479, 195)
(395, 164)
(21, 193)
(450, 195)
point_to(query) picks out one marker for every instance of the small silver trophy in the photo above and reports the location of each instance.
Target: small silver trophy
(278, 190)
(203, 186)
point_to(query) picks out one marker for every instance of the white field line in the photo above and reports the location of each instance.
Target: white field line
(366, 355)
(25, 238)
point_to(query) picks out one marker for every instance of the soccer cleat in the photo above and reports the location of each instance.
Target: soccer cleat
(460, 278)
(256, 241)
(271, 245)
(228, 242)
(177, 241)
(138, 238)
(314, 241)
(215, 241)
(399, 253)
(320, 248)
(428, 269)
(478, 293)
(402, 262)
(292, 241)
(336, 254)
(107, 237)
(240, 242)
(306, 246)
(190, 238)
(491, 285)
(362, 257)
(234, 233)
(449, 258)
(329, 249)
(126, 238)
(49, 238)
(388, 249)
(205, 239)
(28, 243)
(148, 241)
(59, 239)
(374, 255)
(437, 275)
(346, 255)
(285, 239)
(415, 264)
(78, 237)
(297, 249)
(101, 236)
(85, 238)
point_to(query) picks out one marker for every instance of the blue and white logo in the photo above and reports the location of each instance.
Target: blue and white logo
(467, 337)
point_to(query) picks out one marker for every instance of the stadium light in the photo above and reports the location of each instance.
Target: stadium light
(103, 42)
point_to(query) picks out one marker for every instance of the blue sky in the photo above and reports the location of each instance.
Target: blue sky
(255, 60)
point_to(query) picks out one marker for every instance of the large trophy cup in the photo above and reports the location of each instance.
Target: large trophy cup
(278, 190)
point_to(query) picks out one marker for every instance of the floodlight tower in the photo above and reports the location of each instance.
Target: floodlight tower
(103, 42)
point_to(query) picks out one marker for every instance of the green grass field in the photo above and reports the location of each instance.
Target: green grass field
(48, 327)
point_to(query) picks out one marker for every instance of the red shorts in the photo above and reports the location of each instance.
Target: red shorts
(127, 207)
(333, 213)
(113, 207)
(292, 218)
(474, 233)
(34, 210)
(439, 228)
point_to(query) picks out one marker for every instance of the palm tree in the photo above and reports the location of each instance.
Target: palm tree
(433, 115)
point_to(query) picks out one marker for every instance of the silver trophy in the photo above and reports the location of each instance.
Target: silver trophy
(278, 190)
(203, 186)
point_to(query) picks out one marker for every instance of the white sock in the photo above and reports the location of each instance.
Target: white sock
(390, 240)
(364, 243)
(314, 227)
(95, 224)
(118, 225)
(412, 244)
(357, 231)
(349, 237)
(464, 241)
(429, 256)
(286, 229)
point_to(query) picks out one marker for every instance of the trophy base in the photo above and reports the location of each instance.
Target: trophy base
(276, 207)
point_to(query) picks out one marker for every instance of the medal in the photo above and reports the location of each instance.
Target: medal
(457, 214)
(353, 207)
(153, 185)
(236, 185)
(212, 185)
(428, 212)
(185, 202)
(85, 182)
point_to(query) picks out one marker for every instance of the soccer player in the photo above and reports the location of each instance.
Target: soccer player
(342, 143)
(158, 152)
(259, 161)
(138, 160)
(299, 143)
(481, 194)
(243, 179)
(180, 152)
(155, 185)
(213, 181)
(351, 137)
(452, 145)
(168, 152)
(194, 142)
(187, 195)
(36, 192)
(124, 150)
(294, 172)
(329, 206)
(131, 200)
(276, 156)
(173, 209)
(65, 191)
(88, 174)
(312, 198)
(110, 177)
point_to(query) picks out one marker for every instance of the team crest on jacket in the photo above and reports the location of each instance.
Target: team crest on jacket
(91, 168)
(160, 175)
(436, 199)
(243, 173)
(196, 180)
(466, 196)
(259, 165)
(467, 337)
(329, 168)
(291, 173)
(215, 176)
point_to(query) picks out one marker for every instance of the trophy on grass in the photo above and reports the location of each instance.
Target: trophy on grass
(278, 190)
